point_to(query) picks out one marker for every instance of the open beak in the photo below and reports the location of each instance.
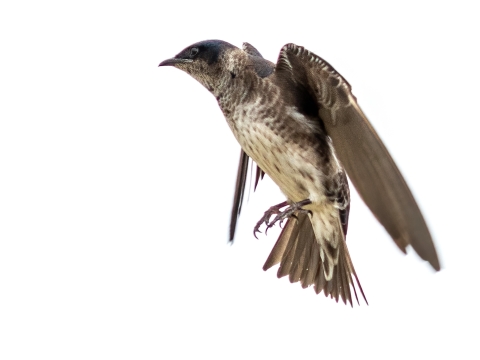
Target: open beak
(174, 61)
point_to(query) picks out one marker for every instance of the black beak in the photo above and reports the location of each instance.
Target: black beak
(173, 61)
(169, 62)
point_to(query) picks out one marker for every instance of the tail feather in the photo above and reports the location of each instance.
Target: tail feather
(287, 261)
(343, 279)
(302, 253)
(311, 269)
(298, 253)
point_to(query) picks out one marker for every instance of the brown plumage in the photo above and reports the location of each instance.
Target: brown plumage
(296, 250)
(299, 121)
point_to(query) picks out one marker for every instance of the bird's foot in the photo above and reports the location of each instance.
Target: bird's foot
(273, 210)
(280, 215)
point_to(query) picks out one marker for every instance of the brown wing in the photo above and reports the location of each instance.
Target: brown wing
(358, 147)
(251, 50)
(262, 67)
(240, 189)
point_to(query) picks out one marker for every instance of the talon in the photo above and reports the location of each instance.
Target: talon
(281, 215)
(266, 218)
(266, 229)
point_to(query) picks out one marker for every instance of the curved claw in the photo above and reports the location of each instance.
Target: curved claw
(257, 226)
(269, 225)
(281, 215)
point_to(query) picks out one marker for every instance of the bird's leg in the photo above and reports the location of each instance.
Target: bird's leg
(281, 215)
(290, 211)
(273, 210)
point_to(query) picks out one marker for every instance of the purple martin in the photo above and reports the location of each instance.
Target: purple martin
(300, 123)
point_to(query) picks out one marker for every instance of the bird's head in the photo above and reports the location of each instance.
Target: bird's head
(206, 61)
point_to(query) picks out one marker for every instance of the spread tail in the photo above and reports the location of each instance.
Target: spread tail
(302, 258)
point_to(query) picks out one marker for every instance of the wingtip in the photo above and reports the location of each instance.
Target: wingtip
(433, 259)
(431, 256)
(426, 251)
(231, 238)
(436, 265)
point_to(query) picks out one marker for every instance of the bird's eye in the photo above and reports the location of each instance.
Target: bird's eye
(193, 52)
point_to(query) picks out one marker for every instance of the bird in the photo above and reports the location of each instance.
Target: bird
(300, 123)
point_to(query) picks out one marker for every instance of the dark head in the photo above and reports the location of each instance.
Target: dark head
(206, 61)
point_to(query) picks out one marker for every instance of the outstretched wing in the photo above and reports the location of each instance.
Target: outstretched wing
(243, 167)
(358, 147)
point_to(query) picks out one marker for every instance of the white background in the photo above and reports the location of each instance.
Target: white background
(116, 181)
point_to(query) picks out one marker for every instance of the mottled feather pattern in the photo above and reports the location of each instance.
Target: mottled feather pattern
(301, 124)
(363, 154)
(292, 148)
